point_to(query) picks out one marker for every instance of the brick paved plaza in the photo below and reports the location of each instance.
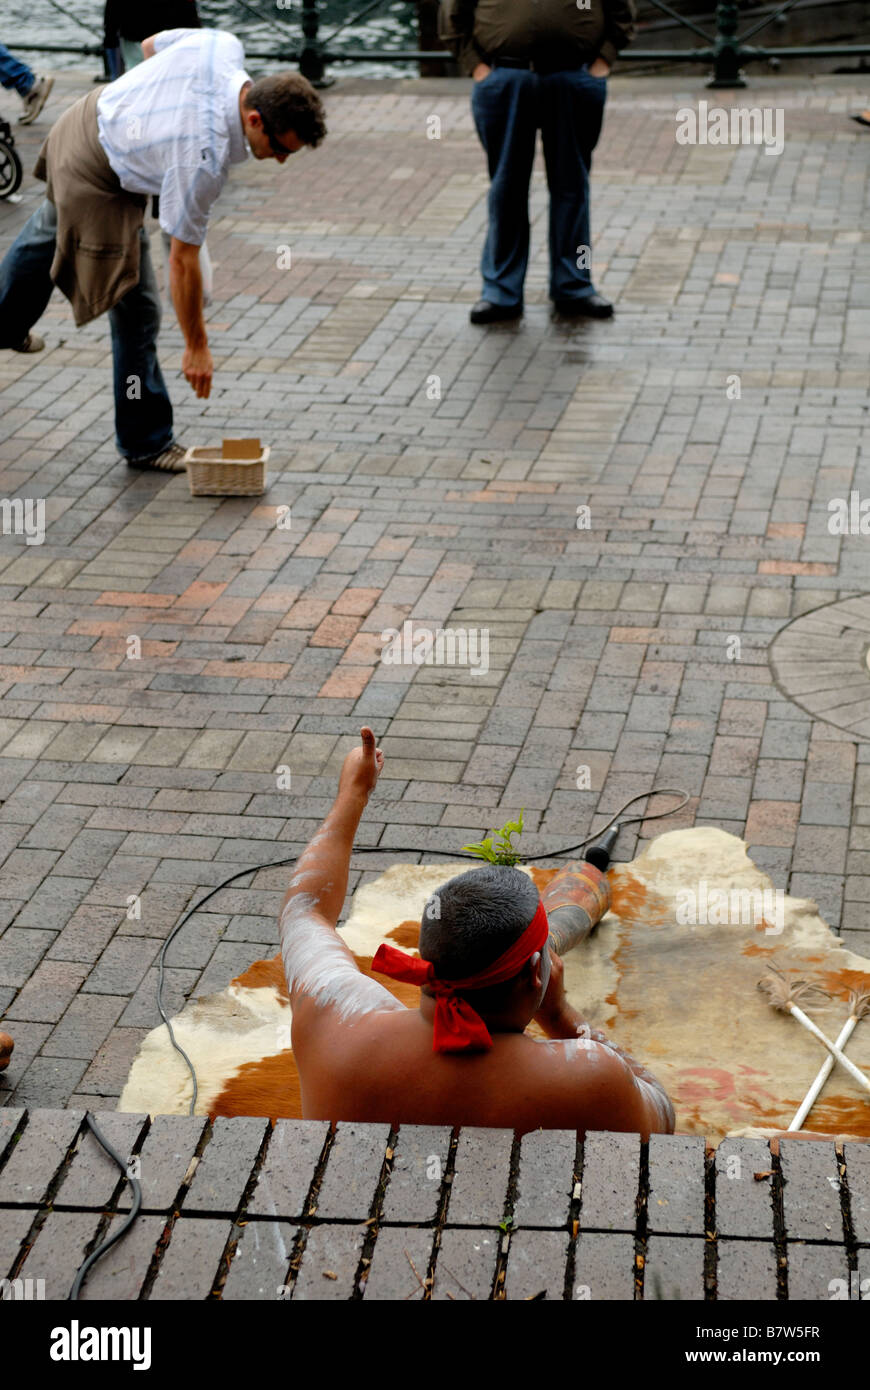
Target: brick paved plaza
(635, 646)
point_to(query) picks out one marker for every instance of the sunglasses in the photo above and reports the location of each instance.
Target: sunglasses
(270, 135)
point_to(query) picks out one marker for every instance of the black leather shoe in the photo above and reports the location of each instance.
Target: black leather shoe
(484, 312)
(594, 306)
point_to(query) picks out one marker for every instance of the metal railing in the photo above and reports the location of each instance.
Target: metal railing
(725, 49)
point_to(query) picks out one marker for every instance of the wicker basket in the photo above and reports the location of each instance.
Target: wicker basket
(211, 475)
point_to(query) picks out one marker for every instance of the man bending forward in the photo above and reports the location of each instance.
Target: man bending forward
(463, 1057)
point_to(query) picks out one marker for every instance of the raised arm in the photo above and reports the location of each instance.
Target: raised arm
(320, 969)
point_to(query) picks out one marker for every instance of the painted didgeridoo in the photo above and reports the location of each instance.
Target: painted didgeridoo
(574, 901)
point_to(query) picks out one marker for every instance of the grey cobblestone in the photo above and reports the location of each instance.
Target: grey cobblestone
(674, 1269)
(465, 1268)
(260, 1263)
(190, 1265)
(536, 1265)
(222, 1171)
(611, 1174)
(479, 1189)
(37, 1156)
(288, 1170)
(399, 1251)
(353, 1171)
(747, 1269)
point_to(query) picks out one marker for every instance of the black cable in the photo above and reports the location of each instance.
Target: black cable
(125, 1225)
(291, 859)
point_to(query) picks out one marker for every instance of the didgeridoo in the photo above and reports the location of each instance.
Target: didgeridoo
(575, 900)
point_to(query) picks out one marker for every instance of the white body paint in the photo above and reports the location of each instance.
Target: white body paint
(316, 962)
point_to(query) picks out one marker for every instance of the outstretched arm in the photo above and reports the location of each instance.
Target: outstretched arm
(321, 871)
(320, 969)
(185, 283)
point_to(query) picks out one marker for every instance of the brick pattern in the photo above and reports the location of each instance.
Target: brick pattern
(219, 1228)
(635, 647)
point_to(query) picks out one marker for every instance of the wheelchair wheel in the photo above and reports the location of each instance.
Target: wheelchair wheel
(10, 168)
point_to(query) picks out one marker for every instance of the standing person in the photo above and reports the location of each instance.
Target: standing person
(33, 90)
(172, 126)
(538, 64)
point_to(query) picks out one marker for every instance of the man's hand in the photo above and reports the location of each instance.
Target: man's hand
(362, 768)
(599, 68)
(198, 368)
(481, 71)
(554, 1001)
(556, 1016)
(321, 870)
(185, 284)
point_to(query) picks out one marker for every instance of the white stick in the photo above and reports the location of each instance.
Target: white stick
(824, 1072)
(832, 1047)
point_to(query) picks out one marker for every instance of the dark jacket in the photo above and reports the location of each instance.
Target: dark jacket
(139, 21)
(547, 29)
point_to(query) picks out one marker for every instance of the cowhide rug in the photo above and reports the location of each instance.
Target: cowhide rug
(679, 993)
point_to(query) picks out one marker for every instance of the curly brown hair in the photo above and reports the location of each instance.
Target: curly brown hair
(287, 101)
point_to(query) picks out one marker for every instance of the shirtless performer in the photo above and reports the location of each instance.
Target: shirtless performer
(463, 1057)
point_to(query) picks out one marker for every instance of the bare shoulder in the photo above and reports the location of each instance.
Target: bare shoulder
(322, 974)
(594, 1086)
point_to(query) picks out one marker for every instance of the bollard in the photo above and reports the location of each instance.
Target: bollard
(311, 58)
(726, 50)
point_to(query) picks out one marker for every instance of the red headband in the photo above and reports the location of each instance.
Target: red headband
(457, 1025)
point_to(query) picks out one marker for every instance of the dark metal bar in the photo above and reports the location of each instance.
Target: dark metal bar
(766, 19)
(682, 19)
(636, 55)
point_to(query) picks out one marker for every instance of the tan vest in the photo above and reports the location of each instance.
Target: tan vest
(96, 259)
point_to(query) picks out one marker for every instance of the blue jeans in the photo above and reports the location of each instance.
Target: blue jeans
(508, 108)
(14, 73)
(143, 411)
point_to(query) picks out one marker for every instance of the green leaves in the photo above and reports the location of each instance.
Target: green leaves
(498, 848)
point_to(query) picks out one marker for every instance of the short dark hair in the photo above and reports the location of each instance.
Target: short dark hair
(287, 101)
(474, 918)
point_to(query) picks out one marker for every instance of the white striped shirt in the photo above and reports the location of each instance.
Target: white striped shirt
(171, 125)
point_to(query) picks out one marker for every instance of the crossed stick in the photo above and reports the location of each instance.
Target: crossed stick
(783, 996)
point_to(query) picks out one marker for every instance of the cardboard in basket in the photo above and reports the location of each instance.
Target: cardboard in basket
(239, 449)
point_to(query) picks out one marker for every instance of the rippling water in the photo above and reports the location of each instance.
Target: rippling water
(265, 26)
(392, 25)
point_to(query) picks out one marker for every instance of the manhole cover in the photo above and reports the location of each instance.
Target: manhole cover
(821, 661)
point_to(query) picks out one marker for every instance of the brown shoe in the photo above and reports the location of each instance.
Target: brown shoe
(32, 343)
(35, 99)
(170, 461)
